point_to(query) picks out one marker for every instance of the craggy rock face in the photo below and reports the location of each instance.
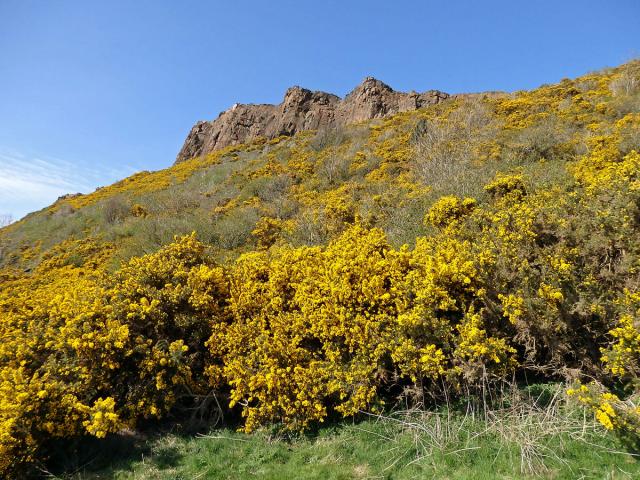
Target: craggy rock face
(300, 110)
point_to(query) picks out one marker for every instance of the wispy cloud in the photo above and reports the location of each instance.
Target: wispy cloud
(29, 183)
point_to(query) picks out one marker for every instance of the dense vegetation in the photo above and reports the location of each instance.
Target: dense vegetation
(426, 257)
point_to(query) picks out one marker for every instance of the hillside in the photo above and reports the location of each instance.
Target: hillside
(299, 265)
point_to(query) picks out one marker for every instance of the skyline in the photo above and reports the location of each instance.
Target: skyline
(94, 93)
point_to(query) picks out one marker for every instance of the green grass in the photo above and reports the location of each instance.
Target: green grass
(525, 441)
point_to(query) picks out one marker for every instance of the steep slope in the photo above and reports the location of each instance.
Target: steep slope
(386, 170)
(301, 110)
(431, 254)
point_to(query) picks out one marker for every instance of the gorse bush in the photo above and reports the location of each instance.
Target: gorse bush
(317, 311)
(92, 353)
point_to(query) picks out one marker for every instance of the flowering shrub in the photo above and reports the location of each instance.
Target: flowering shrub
(623, 416)
(529, 269)
(622, 359)
(268, 231)
(138, 210)
(37, 399)
(449, 209)
(504, 185)
(478, 351)
(87, 352)
(314, 330)
(309, 329)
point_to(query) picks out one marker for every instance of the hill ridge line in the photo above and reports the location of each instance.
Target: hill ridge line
(302, 109)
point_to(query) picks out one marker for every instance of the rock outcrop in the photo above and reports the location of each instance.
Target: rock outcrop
(301, 110)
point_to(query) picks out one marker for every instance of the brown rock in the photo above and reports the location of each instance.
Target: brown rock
(300, 110)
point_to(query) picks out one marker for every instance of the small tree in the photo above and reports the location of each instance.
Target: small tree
(5, 219)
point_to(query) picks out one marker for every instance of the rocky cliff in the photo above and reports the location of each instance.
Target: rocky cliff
(301, 110)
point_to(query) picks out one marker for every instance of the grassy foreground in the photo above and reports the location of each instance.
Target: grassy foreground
(524, 440)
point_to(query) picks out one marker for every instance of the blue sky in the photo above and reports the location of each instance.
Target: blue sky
(94, 91)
